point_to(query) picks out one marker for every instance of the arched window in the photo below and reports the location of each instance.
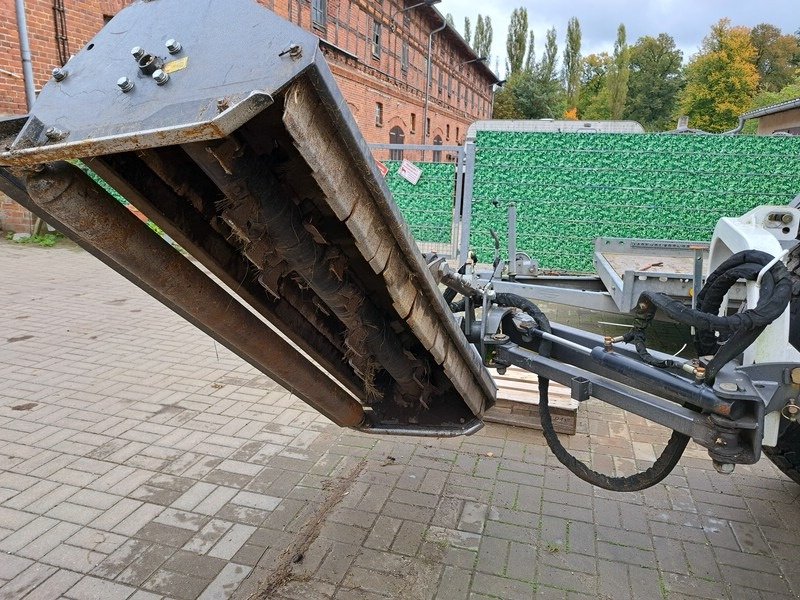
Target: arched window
(437, 154)
(396, 136)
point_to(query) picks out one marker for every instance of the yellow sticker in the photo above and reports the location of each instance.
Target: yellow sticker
(176, 65)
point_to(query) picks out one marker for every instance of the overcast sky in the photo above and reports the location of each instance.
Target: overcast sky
(688, 21)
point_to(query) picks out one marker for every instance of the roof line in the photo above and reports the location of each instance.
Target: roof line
(772, 109)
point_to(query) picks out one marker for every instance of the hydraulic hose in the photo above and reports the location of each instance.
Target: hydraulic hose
(738, 331)
(645, 479)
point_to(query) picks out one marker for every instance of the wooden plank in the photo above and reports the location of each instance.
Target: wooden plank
(518, 403)
(564, 424)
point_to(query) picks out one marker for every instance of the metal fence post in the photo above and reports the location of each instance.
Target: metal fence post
(466, 209)
(459, 204)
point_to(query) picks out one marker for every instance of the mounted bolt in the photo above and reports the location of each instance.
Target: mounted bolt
(723, 468)
(791, 410)
(60, 74)
(125, 84)
(293, 50)
(54, 134)
(173, 46)
(160, 76)
(137, 52)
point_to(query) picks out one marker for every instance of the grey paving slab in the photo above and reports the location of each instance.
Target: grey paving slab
(140, 460)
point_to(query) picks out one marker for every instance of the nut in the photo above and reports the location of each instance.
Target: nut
(137, 52)
(60, 74)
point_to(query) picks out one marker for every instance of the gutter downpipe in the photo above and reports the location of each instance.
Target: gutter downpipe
(738, 128)
(428, 87)
(25, 52)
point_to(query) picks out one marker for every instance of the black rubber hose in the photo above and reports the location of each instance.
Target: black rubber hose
(632, 483)
(744, 327)
(450, 293)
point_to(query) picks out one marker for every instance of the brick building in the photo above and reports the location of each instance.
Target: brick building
(377, 49)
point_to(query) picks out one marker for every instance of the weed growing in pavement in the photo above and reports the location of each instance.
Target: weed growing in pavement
(48, 240)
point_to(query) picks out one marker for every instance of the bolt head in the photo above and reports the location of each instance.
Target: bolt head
(137, 52)
(125, 84)
(160, 76)
(173, 46)
(724, 468)
(60, 74)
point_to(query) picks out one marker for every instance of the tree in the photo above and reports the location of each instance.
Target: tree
(777, 56)
(766, 98)
(530, 61)
(655, 81)
(467, 30)
(572, 62)
(547, 68)
(450, 20)
(593, 98)
(533, 93)
(721, 79)
(482, 42)
(517, 40)
(618, 75)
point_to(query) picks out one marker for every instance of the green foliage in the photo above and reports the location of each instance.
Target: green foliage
(721, 79)
(467, 30)
(570, 189)
(593, 98)
(765, 98)
(427, 206)
(618, 74)
(516, 41)
(777, 56)
(655, 81)
(450, 20)
(482, 43)
(47, 240)
(573, 63)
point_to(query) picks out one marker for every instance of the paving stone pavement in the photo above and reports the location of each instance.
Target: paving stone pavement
(139, 460)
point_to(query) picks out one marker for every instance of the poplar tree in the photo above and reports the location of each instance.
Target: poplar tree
(516, 41)
(573, 62)
(618, 75)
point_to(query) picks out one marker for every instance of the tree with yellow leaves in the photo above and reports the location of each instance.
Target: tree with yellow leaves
(721, 79)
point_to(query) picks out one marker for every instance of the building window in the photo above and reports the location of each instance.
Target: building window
(441, 81)
(458, 134)
(447, 131)
(378, 114)
(428, 126)
(396, 136)
(376, 39)
(319, 12)
(437, 154)
(413, 123)
(404, 57)
(449, 86)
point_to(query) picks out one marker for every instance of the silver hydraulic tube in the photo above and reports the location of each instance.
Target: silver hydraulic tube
(25, 53)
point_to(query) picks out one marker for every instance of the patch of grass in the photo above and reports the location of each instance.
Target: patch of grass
(48, 240)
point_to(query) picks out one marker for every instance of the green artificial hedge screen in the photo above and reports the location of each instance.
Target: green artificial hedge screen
(572, 188)
(428, 205)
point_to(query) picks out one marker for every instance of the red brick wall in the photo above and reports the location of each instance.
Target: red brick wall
(84, 20)
(364, 80)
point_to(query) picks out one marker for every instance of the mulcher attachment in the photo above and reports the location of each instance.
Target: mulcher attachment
(238, 144)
